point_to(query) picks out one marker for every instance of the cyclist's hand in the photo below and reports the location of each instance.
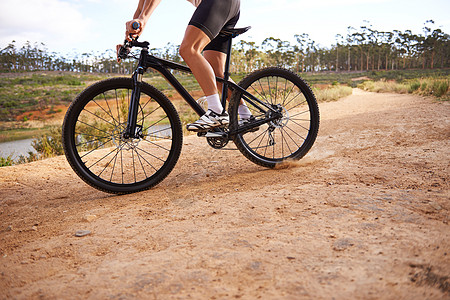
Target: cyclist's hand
(132, 33)
(118, 47)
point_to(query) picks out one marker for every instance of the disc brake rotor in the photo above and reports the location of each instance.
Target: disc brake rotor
(280, 123)
(124, 143)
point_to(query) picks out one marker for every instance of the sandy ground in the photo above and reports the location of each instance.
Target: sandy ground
(363, 216)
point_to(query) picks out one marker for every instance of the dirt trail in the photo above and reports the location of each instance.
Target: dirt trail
(363, 216)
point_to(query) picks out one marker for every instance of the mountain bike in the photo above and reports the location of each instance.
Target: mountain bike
(123, 135)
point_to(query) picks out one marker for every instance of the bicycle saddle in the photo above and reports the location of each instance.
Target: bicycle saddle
(234, 32)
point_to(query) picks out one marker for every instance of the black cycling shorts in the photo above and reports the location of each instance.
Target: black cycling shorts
(212, 16)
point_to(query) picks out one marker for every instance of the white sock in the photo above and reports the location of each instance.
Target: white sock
(214, 103)
(244, 112)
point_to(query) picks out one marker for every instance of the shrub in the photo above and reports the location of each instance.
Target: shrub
(49, 145)
(440, 88)
(414, 86)
(423, 87)
(6, 161)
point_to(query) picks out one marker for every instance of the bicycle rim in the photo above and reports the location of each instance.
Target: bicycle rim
(96, 149)
(288, 137)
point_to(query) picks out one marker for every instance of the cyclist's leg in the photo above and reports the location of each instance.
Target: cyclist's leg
(210, 17)
(217, 61)
(194, 41)
(191, 49)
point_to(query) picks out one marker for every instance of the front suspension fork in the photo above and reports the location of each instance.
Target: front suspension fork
(132, 130)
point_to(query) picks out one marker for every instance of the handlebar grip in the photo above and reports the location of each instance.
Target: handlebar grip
(135, 25)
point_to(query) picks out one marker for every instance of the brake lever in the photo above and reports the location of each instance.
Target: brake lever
(123, 51)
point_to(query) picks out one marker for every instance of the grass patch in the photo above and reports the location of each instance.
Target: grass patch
(384, 87)
(15, 134)
(332, 93)
(354, 78)
(437, 87)
(37, 91)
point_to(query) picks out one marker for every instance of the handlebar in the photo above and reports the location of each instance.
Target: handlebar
(124, 51)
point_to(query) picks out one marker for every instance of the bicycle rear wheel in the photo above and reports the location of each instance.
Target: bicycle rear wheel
(98, 152)
(288, 137)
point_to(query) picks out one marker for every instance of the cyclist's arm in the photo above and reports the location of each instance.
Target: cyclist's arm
(143, 12)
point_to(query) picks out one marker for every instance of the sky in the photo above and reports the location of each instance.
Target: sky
(79, 26)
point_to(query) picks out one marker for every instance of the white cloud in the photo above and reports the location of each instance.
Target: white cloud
(53, 22)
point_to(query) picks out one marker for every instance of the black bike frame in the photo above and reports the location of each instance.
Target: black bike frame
(163, 66)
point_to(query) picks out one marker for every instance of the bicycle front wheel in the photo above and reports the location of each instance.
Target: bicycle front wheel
(96, 149)
(290, 136)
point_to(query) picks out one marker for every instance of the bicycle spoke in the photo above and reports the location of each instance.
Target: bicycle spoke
(146, 162)
(288, 94)
(263, 92)
(287, 143)
(152, 134)
(90, 141)
(117, 105)
(88, 134)
(134, 168)
(114, 166)
(293, 121)
(267, 144)
(142, 166)
(107, 104)
(121, 165)
(158, 137)
(162, 119)
(262, 139)
(150, 113)
(276, 88)
(293, 131)
(100, 159)
(270, 92)
(148, 101)
(107, 133)
(285, 87)
(107, 165)
(99, 118)
(257, 137)
(301, 113)
(159, 146)
(90, 152)
(298, 94)
(150, 154)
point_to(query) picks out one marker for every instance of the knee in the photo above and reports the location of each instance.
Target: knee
(187, 51)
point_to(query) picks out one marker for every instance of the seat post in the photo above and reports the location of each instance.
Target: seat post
(226, 74)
